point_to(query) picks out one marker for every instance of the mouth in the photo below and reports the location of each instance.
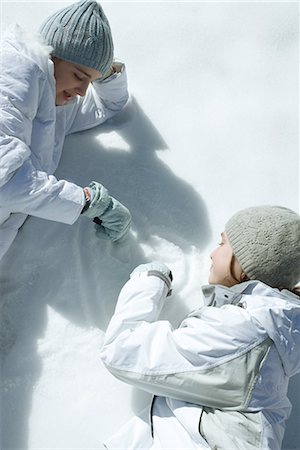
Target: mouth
(67, 96)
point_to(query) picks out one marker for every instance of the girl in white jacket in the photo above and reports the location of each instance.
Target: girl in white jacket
(51, 85)
(220, 380)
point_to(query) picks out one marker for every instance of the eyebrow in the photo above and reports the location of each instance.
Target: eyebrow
(82, 71)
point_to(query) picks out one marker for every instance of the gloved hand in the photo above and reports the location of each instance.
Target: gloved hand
(112, 219)
(116, 67)
(157, 269)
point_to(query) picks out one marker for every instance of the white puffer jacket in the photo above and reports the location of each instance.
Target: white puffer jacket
(220, 380)
(33, 130)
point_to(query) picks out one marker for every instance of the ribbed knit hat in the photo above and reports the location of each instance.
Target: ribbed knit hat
(266, 242)
(80, 33)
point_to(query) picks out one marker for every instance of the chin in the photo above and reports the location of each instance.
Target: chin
(211, 280)
(59, 100)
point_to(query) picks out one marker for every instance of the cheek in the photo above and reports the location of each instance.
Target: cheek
(57, 83)
(220, 262)
(237, 269)
(62, 81)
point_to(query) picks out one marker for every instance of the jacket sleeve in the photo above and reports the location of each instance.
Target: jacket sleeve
(102, 101)
(23, 188)
(191, 363)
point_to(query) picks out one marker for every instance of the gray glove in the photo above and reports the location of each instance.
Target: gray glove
(157, 269)
(112, 219)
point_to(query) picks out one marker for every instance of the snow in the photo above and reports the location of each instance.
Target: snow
(211, 127)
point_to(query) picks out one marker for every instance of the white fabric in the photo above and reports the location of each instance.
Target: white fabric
(175, 425)
(138, 348)
(33, 130)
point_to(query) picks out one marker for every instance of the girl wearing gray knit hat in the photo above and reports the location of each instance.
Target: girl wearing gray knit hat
(262, 243)
(220, 379)
(66, 81)
(81, 41)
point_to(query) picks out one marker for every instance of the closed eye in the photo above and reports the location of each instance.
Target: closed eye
(77, 77)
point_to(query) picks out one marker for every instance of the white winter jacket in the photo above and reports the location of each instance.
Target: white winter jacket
(33, 130)
(220, 380)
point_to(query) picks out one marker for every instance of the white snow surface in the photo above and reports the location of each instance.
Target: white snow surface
(211, 127)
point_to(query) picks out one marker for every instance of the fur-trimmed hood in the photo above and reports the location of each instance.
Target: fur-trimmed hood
(30, 45)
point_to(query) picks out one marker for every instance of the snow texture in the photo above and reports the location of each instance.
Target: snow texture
(211, 127)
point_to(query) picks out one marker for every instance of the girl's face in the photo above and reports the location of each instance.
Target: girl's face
(225, 269)
(72, 80)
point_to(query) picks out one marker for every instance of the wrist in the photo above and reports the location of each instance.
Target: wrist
(112, 70)
(156, 269)
(87, 196)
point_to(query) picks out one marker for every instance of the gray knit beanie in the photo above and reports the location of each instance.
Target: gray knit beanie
(80, 33)
(266, 242)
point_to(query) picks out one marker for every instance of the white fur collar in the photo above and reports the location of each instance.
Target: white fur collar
(30, 45)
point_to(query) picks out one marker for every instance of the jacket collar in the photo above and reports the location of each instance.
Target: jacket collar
(218, 295)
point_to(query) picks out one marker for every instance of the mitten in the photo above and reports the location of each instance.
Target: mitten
(157, 269)
(112, 219)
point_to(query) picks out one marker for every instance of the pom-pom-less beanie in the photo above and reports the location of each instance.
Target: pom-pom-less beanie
(266, 242)
(80, 33)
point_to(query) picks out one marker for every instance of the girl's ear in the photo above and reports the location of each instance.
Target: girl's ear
(244, 277)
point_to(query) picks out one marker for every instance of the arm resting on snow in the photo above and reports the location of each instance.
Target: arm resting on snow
(192, 363)
(102, 101)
